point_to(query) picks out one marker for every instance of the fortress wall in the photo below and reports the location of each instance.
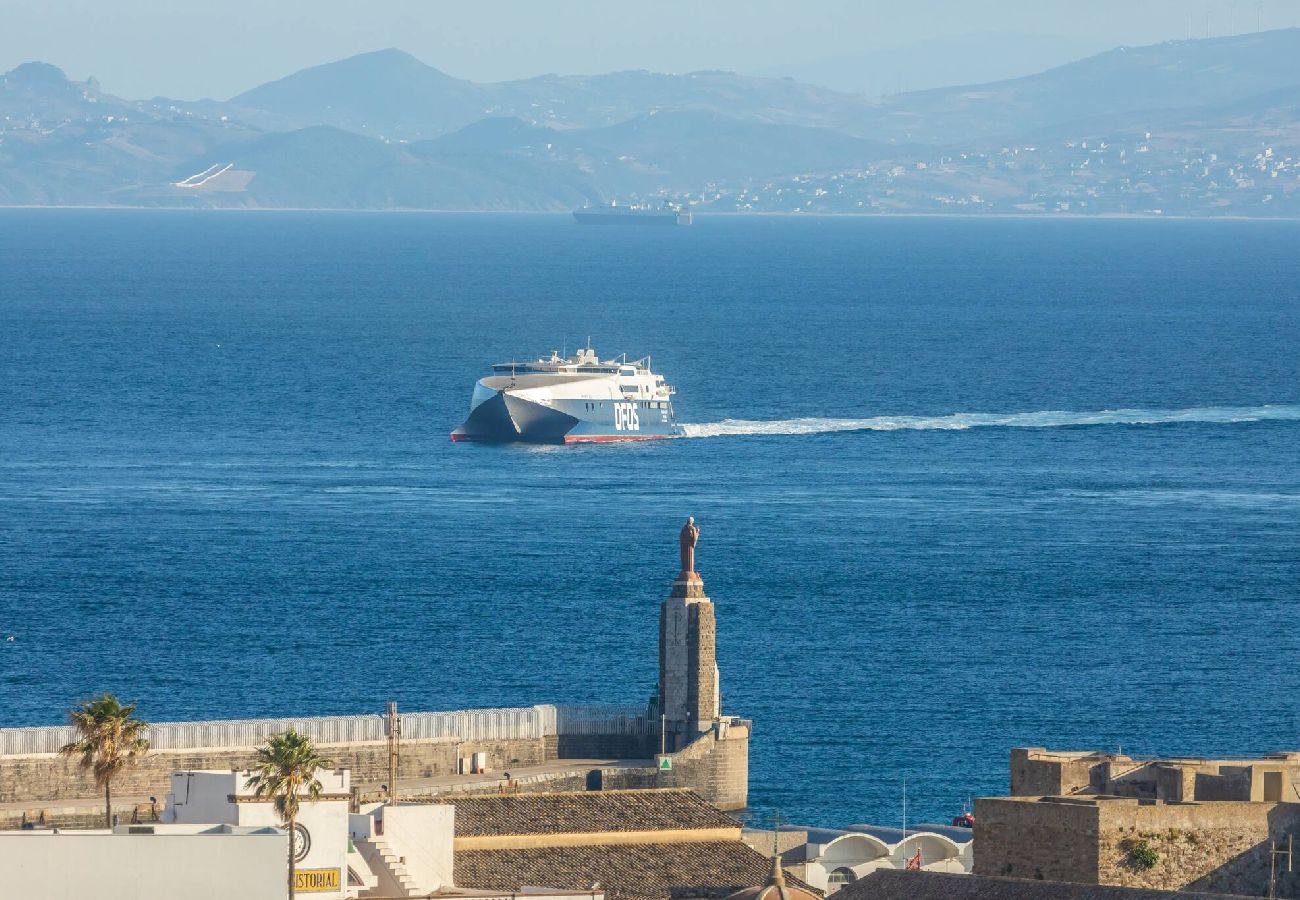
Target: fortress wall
(31, 770)
(603, 746)
(1217, 847)
(1028, 839)
(70, 818)
(45, 780)
(1037, 773)
(714, 766)
(49, 778)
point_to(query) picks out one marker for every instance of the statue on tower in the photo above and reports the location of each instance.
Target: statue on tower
(686, 541)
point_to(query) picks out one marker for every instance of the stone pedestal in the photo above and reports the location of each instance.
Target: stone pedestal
(688, 670)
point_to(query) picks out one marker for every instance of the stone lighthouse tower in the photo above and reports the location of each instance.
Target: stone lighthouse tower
(688, 669)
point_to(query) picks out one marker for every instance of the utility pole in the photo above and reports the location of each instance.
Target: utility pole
(393, 728)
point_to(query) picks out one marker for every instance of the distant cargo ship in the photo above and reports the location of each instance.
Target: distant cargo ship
(563, 401)
(640, 214)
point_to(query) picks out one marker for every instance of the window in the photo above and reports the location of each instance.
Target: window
(842, 875)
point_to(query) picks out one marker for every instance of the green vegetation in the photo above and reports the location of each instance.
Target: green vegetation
(1141, 855)
(286, 769)
(110, 740)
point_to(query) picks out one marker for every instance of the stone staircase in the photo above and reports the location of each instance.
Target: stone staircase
(382, 856)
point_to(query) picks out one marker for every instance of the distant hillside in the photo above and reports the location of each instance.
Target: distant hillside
(662, 152)
(322, 166)
(1189, 127)
(387, 94)
(1176, 74)
(39, 91)
(65, 142)
(938, 62)
(393, 95)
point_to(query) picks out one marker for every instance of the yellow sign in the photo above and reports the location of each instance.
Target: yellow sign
(315, 881)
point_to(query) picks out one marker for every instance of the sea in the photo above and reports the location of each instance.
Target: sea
(963, 485)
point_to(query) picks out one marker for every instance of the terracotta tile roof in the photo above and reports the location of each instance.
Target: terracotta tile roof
(626, 871)
(895, 884)
(585, 812)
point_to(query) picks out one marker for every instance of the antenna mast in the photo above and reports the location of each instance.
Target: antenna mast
(1273, 854)
(904, 809)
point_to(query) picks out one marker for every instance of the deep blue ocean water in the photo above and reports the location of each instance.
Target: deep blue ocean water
(226, 488)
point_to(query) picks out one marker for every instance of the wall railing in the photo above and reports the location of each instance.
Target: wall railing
(527, 722)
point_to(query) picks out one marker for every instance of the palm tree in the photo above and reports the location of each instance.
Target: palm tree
(286, 768)
(111, 739)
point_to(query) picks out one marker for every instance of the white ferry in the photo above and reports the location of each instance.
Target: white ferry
(558, 400)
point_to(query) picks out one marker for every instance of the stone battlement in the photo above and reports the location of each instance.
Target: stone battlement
(1274, 777)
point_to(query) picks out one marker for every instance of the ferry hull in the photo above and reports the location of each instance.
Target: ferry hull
(506, 418)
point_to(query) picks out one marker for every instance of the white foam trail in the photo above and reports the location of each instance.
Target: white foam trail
(1215, 415)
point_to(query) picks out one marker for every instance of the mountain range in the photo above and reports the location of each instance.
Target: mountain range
(1197, 127)
(938, 62)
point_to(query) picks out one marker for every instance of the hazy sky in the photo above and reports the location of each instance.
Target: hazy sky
(188, 49)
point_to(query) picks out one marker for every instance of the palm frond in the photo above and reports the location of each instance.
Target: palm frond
(285, 769)
(110, 737)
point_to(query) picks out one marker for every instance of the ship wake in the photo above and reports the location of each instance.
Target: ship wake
(1212, 415)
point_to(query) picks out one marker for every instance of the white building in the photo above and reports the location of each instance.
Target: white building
(833, 857)
(217, 840)
(145, 862)
(386, 850)
(320, 839)
(407, 847)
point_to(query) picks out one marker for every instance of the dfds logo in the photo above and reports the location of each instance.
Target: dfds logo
(626, 418)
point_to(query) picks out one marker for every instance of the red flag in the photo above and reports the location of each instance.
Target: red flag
(914, 864)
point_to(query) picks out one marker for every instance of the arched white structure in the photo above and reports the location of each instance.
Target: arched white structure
(834, 857)
(938, 852)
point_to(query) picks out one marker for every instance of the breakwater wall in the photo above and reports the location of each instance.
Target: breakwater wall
(715, 765)
(432, 744)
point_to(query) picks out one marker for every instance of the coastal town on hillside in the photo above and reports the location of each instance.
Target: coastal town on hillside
(612, 801)
(1121, 176)
(1173, 172)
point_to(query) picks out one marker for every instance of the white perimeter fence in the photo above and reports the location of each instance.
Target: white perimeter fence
(466, 725)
